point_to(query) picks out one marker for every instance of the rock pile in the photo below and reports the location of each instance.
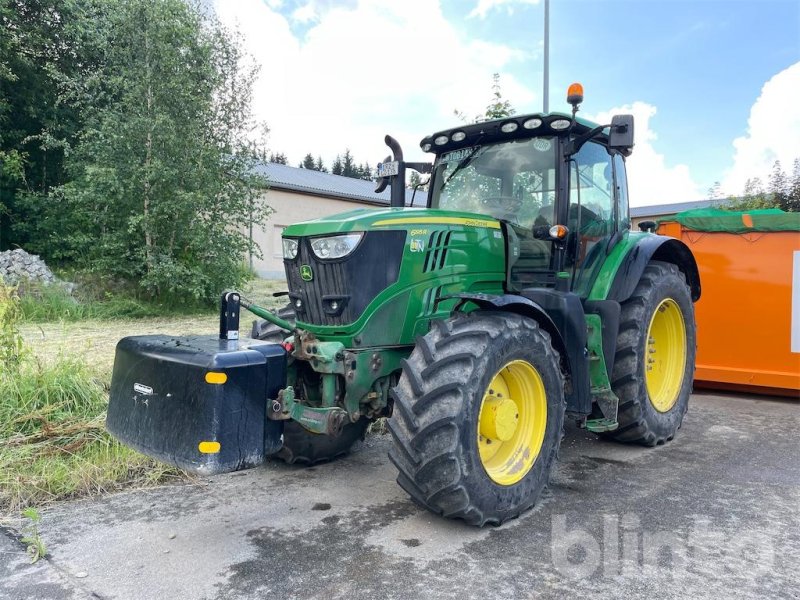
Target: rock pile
(17, 266)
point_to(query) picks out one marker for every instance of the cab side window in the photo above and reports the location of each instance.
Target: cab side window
(621, 183)
(591, 213)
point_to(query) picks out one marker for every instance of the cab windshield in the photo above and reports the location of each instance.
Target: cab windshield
(513, 181)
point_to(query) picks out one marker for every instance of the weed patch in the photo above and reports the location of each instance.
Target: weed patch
(53, 444)
(34, 544)
(44, 303)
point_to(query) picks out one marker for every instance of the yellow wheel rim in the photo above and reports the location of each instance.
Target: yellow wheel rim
(666, 355)
(512, 422)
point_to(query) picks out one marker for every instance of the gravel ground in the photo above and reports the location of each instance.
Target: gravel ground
(715, 513)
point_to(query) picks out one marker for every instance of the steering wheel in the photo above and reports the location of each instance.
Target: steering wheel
(505, 208)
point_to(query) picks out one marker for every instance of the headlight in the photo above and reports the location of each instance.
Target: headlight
(289, 248)
(335, 246)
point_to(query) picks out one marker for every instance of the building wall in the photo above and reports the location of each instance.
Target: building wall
(291, 207)
(652, 217)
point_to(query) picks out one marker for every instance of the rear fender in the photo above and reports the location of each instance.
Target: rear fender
(653, 247)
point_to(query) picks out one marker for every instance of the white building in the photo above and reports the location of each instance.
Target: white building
(303, 194)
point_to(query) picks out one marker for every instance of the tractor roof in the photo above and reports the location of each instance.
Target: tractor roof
(508, 128)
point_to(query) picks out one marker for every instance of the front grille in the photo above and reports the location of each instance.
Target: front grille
(351, 283)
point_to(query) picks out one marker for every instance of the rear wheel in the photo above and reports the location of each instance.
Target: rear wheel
(300, 446)
(478, 417)
(654, 363)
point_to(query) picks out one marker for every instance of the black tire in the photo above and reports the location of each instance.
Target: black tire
(639, 420)
(436, 407)
(266, 331)
(300, 446)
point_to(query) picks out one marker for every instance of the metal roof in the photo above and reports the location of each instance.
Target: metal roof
(657, 210)
(308, 181)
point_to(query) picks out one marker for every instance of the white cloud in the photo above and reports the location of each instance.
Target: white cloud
(484, 7)
(650, 179)
(305, 13)
(773, 132)
(363, 71)
(384, 66)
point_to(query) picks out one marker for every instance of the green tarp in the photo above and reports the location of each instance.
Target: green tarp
(716, 219)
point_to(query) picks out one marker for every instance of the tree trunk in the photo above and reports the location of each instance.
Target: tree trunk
(148, 238)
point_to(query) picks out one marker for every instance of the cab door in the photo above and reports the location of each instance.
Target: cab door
(593, 217)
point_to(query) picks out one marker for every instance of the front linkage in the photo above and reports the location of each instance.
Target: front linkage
(366, 374)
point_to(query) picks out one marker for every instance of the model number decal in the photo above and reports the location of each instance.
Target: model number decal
(145, 390)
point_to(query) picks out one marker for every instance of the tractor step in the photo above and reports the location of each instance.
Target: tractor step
(601, 425)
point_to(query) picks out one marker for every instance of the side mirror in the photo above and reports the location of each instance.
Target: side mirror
(648, 226)
(621, 136)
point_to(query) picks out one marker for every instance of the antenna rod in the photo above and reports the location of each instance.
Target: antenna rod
(545, 92)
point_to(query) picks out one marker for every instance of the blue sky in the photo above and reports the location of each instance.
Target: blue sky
(693, 73)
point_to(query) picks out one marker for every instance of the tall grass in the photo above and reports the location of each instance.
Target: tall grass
(41, 303)
(53, 303)
(53, 444)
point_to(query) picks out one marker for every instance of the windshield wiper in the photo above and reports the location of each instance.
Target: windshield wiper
(464, 162)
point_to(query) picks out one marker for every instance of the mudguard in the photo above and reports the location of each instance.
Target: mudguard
(561, 315)
(165, 404)
(653, 247)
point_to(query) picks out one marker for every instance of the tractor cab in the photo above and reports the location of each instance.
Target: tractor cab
(557, 184)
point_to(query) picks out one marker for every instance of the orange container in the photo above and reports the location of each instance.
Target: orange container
(748, 316)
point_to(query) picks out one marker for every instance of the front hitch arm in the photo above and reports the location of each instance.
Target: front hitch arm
(268, 315)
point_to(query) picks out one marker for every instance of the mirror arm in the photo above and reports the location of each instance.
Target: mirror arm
(421, 167)
(573, 146)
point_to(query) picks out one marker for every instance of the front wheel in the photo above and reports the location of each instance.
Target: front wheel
(478, 417)
(301, 446)
(654, 363)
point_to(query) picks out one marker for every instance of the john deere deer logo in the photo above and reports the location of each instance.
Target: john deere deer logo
(306, 274)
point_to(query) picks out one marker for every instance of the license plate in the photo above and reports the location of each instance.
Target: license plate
(388, 169)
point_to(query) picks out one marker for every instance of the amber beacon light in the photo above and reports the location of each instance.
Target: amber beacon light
(575, 94)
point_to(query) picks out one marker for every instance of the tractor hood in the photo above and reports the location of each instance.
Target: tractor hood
(387, 288)
(366, 219)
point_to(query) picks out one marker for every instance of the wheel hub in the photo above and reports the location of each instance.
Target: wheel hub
(499, 417)
(512, 422)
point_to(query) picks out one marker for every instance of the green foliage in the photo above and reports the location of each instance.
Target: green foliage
(53, 442)
(12, 350)
(278, 158)
(31, 538)
(497, 108)
(130, 120)
(782, 191)
(337, 167)
(346, 166)
(162, 189)
(53, 303)
(42, 44)
(309, 162)
(30, 535)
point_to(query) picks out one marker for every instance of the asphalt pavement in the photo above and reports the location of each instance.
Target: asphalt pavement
(713, 514)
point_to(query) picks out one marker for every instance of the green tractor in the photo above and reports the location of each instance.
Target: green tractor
(517, 298)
